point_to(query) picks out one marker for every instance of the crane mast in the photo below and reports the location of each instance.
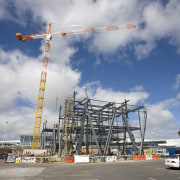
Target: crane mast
(40, 101)
(48, 36)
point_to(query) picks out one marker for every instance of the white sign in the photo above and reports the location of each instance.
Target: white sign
(81, 158)
(111, 158)
(28, 159)
(148, 157)
(35, 151)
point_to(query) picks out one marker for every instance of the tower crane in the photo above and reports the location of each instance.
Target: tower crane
(48, 36)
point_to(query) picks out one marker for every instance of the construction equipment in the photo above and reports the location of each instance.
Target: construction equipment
(48, 36)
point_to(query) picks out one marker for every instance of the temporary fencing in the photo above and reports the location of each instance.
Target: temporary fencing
(146, 157)
(139, 157)
(69, 159)
(142, 157)
(156, 156)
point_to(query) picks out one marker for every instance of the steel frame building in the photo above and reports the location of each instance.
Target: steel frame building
(96, 124)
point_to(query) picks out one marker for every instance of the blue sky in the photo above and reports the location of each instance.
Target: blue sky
(141, 64)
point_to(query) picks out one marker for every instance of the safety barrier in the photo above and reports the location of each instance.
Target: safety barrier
(146, 157)
(69, 159)
(135, 157)
(139, 157)
(142, 157)
(156, 156)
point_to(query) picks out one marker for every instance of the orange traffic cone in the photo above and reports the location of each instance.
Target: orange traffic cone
(4, 161)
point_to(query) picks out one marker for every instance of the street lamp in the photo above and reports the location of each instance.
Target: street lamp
(4, 133)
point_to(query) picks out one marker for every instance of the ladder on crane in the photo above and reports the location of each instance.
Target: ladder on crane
(48, 36)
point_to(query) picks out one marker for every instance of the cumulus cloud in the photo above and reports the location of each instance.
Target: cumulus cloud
(160, 119)
(110, 95)
(19, 73)
(20, 121)
(136, 95)
(158, 21)
(19, 79)
(155, 20)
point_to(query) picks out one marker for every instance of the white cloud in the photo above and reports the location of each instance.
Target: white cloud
(110, 95)
(155, 21)
(19, 79)
(137, 88)
(159, 115)
(20, 121)
(137, 95)
(142, 51)
(177, 84)
(160, 120)
(178, 96)
(159, 21)
(20, 74)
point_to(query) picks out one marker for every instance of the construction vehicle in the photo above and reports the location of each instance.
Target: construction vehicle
(150, 153)
(48, 36)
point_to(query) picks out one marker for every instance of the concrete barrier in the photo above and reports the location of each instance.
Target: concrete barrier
(111, 158)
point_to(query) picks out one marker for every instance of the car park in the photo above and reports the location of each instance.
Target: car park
(173, 161)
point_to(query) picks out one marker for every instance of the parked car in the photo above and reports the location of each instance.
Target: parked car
(177, 151)
(162, 153)
(173, 161)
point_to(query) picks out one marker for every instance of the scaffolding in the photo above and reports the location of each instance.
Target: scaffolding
(95, 124)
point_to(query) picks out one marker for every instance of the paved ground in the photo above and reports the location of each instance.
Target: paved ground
(124, 170)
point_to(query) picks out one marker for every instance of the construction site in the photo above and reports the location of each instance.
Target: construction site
(90, 90)
(86, 127)
(90, 126)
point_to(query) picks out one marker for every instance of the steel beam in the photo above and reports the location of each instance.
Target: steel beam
(130, 133)
(110, 132)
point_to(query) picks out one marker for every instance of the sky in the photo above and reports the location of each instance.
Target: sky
(141, 65)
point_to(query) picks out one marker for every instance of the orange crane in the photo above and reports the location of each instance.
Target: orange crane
(48, 36)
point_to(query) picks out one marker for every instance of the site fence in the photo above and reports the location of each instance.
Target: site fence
(146, 157)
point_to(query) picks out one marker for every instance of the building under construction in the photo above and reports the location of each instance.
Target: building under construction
(90, 126)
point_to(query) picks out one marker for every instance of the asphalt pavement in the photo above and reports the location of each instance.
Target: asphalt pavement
(123, 170)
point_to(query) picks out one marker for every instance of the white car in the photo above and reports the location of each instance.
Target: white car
(173, 161)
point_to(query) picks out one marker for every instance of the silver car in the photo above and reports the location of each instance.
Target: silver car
(173, 161)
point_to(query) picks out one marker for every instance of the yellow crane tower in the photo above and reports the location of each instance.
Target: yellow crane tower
(48, 36)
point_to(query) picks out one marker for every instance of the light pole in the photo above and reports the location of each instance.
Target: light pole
(4, 131)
